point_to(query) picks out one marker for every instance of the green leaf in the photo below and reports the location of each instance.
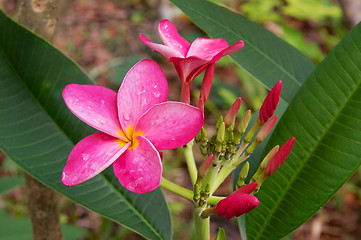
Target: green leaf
(37, 131)
(9, 183)
(265, 56)
(21, 229)
(325, 118)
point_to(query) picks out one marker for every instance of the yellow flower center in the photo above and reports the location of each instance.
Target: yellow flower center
(129, 136)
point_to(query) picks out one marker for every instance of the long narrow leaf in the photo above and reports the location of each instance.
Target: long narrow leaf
(325, 118)
(37, 131)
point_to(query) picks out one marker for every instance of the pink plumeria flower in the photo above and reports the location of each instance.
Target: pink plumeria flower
(135, 123)
(189, 59)
(238, 203)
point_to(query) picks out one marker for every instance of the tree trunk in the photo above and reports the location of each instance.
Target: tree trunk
(41, 17)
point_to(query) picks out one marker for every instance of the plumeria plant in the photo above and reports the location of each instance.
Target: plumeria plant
(103, 149)
(138, 121)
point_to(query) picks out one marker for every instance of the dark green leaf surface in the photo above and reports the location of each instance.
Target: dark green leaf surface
(37, 131)
(325, 118)
(265, 56)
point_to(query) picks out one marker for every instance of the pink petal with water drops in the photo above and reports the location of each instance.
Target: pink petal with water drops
(207, 48)
(171, 124)
(166, 51)
(90, 157)
(95, 105)
(170, 36)
(229, 50)
(140, 169)
(144, 86)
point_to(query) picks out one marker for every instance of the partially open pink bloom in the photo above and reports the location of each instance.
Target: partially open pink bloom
(238, 203)
(278, 159)
(189, 59)
(270, 103)
(135, 123)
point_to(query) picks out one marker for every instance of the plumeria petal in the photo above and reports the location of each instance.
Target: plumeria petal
(144, 86)
(170, 36)
(90, 157)
(229, 50)
(95, 105)
(188, 68)
(166, 51)
(171, 124)
(207, 48)
(140, 169)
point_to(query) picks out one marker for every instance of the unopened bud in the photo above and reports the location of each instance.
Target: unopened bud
(196, 191)
(266, 129)
(220, 137)
(203, 137)
(232, 113)
(219, 122)
(243, 174)
(242, 126)
(269, 156)
(280, 157)
(203, 169)
(270, 103)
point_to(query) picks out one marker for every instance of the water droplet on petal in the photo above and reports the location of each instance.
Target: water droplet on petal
(102, 121)
(85, 156)
(95, 166)
(144, 102)
(126, 116)
(102, 102)
(156, 94)
(155, 86)
(140, 92)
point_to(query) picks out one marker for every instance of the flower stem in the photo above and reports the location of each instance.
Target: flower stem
(201, 225)
(192, 168)
(174, 188)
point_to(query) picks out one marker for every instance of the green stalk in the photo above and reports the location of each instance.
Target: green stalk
(192, 168)
(201, 225)
(174, 188)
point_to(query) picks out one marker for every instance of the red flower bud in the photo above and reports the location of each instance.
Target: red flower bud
(280, 157)
(238, 203)
(266, 129)
(205, 166)
(270, 103)
(232, 112)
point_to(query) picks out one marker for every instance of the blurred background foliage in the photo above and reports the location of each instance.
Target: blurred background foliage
(102, 37)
